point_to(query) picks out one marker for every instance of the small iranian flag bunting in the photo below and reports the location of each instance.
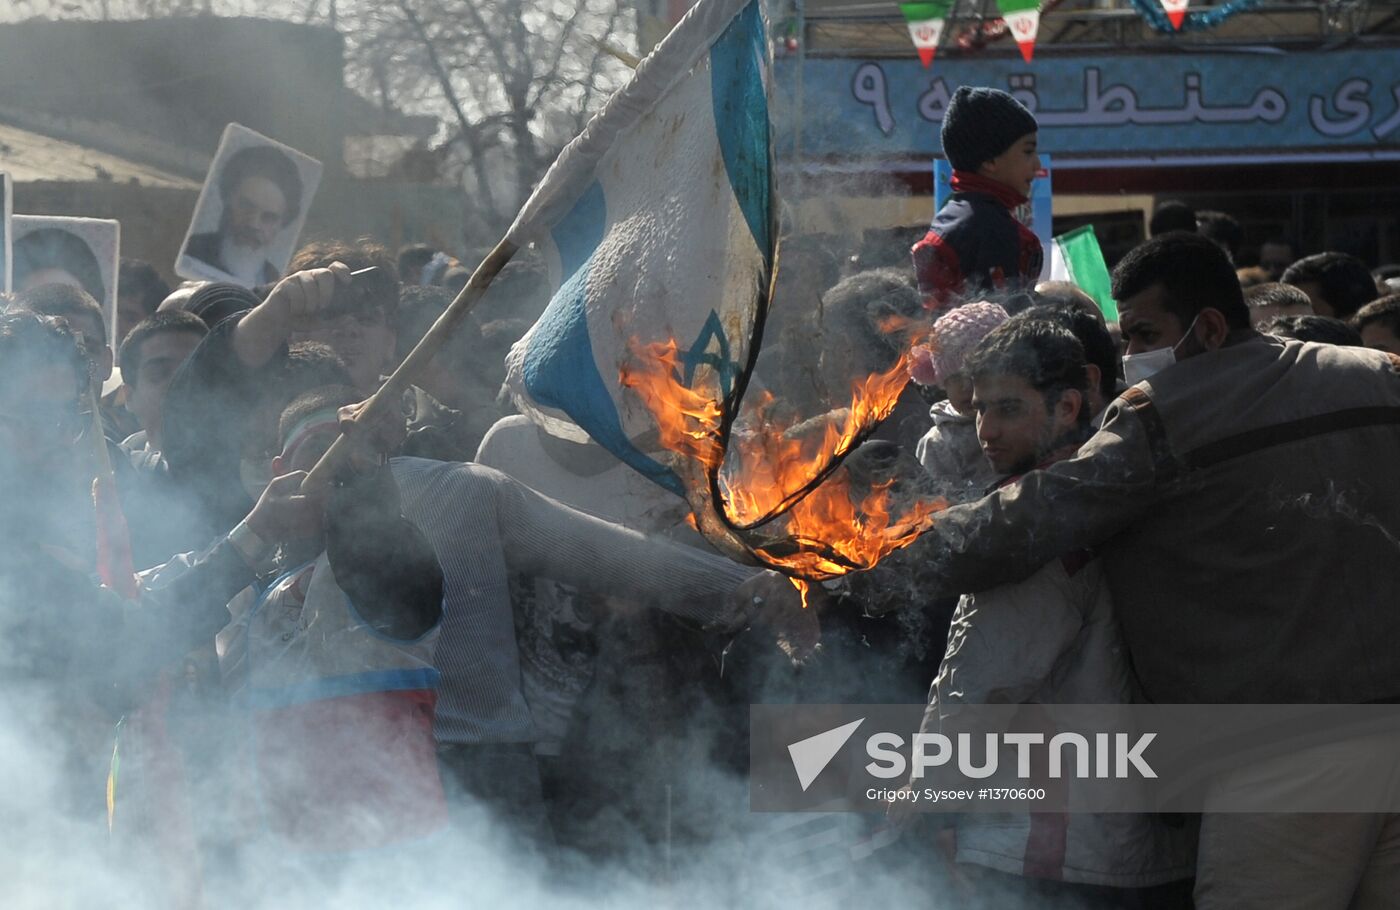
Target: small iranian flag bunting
(1176, 11)
(1023, 21)
(926, 26)
(1075, 257)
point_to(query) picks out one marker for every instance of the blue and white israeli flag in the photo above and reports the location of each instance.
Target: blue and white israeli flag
(657, 225)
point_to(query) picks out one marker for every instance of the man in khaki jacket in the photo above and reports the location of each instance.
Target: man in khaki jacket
(1243, 501)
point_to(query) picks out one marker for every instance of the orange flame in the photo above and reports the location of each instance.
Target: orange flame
(894, 323)
(772, 460)
(772, 463)
(687, 421)
(835, 535)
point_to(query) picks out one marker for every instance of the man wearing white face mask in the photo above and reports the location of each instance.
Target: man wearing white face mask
(1159, 334)
(1138, 367)
(1223, 492)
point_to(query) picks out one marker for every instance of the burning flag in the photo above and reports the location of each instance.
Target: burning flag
(658, 226)
(657, 221)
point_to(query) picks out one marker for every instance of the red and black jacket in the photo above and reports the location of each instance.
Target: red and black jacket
(975, 244)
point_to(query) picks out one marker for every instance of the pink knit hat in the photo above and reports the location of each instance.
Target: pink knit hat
(954, 336)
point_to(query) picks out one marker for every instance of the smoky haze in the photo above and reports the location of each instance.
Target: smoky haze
(70, 674)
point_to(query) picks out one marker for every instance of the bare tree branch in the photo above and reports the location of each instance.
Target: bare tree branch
(506, 77)
(560, 47)
(595, 68)
(467, 130)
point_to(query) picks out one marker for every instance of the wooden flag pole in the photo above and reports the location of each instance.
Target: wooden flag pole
(392, 391)
(114, 562)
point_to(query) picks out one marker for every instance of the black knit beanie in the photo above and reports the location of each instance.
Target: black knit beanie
(980, 124)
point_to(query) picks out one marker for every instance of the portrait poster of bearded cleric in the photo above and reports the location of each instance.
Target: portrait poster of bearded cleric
(250, 212)
(82, 252)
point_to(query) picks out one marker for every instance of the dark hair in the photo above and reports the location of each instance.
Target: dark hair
(1172, 215)
(419, 307)
(1322, 329)
(263, 161)
(310, 365)
(30, 340)
(412, 258)
(138, 278)
(1099, 347)
(1384, 312)
(61, 300)
(1276, 293)
(308, 403)
(1194, 272)
(1016, 301)
(858, 305)
(56, 248)
(217, 301)
(1067, 293)
(1042, 352)
(1343, 281)
(1223, 229)
(501, 334)
(129, 358)
(379, 289)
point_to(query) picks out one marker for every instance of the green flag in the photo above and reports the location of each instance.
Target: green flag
(1076, 257)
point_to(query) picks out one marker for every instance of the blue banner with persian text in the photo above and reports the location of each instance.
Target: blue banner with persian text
(1118, 106)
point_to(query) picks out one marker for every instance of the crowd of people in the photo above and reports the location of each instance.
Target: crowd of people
(479, 626)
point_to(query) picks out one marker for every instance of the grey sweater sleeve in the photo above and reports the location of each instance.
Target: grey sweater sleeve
(1075, 504)
(477, 505)
(545, 537)
(186, 597)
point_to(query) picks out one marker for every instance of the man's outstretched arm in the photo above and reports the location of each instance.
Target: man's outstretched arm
(1007, 535)
(541, 536)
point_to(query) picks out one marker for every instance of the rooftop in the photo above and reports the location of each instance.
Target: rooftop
(32, 157)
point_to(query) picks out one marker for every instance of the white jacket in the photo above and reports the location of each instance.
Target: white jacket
(951, 454)
(1051, 639)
